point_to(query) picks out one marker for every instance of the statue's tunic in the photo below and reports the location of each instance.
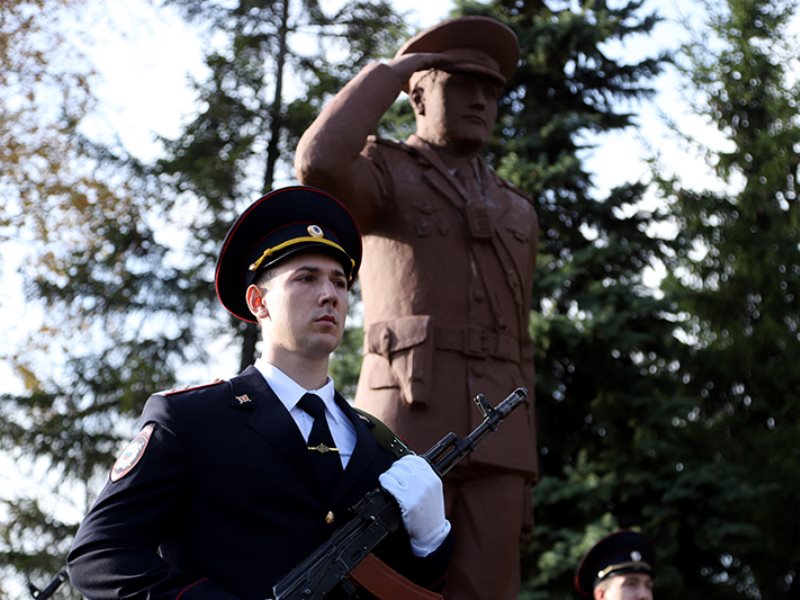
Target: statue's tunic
(446, 283)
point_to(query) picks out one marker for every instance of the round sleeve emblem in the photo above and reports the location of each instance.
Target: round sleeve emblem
(132, 453)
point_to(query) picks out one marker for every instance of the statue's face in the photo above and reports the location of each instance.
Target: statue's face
(459, 110)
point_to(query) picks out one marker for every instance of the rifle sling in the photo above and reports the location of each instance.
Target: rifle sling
(383, 582)
(386, 438)
(372, 574)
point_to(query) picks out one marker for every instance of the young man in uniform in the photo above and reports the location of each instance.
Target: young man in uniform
(228, 486)
(618, 567)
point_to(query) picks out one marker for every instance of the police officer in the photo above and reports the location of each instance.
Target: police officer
(449, 257)
(228, 485)
(619, 567)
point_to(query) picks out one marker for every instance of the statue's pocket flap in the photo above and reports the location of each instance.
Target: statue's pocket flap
(387, 337)
(405, 346)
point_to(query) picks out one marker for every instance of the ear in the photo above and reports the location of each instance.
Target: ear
(599, 593)
(257, 302)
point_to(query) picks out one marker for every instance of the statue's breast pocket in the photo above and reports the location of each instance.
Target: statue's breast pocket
(426, 215)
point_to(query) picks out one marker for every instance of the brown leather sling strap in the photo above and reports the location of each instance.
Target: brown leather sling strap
(372, 574)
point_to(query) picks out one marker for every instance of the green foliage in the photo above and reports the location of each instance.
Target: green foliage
(736, 280)
(86, 242)
(683, 434)
(345, 363)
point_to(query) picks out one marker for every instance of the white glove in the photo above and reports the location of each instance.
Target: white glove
(418, 491)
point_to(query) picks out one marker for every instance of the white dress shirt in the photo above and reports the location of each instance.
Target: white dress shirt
(289, 393)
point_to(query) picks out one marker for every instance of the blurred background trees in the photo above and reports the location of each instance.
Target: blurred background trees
(735, 280)
(663, 404)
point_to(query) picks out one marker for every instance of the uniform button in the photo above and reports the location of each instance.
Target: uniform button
(330, 517)
(423, 228)
(478, 295)
(477, 370)
(385, 341)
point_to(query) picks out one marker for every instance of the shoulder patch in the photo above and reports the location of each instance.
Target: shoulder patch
(191, 388)
(132, 453)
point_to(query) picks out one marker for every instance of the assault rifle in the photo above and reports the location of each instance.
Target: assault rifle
(377, 515)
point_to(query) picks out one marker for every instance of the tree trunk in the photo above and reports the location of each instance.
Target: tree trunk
(250, 334)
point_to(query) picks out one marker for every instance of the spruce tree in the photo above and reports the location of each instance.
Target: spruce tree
(736, 281)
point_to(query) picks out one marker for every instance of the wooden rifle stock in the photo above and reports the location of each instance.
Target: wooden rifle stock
(376, 515)
(383, 582)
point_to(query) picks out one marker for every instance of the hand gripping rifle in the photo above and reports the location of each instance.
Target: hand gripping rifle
(377, 515)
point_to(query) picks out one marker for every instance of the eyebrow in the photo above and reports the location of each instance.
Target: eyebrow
(637, 577)
(313, 269)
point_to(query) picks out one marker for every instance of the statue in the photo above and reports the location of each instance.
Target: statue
(449, 257)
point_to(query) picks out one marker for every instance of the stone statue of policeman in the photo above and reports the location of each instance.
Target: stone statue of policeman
(449, 256)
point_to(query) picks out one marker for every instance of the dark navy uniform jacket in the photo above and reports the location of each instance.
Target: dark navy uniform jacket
(222, 502)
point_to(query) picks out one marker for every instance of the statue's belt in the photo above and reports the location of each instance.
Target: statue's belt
(476, 341)
(420, 331)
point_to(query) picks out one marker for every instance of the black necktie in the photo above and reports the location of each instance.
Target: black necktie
(324, 454)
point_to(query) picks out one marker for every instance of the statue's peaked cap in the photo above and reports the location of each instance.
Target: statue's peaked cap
(478, 45)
